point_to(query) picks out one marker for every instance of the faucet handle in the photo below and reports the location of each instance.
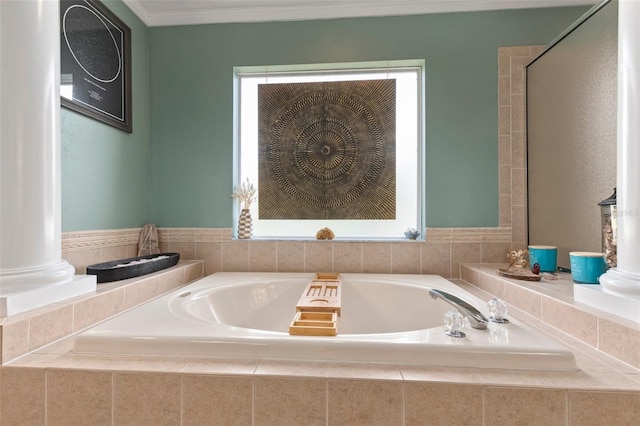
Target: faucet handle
(455, 322)
(498, 311)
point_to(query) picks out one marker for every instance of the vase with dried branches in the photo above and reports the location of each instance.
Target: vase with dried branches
(246, 194)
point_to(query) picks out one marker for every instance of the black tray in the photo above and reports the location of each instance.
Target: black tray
(110, 271)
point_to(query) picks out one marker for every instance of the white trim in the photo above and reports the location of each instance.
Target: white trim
(408, 74)
(220, 11)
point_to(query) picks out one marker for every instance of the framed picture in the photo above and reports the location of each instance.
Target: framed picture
(95, 63)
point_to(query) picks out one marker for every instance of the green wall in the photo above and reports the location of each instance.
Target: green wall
(105, 171)
(175, 169)
(192, 102)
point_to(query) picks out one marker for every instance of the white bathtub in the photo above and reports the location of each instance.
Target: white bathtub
(384, 318)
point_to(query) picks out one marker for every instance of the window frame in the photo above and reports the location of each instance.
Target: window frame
(333, 70)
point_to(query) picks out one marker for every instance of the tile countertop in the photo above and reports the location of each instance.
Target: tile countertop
(598, 371)
(556, 303)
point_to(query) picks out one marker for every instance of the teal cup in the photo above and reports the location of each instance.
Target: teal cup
(586, 267)
(545, 256)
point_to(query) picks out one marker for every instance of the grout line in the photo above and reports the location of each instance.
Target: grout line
(326, 402)
(181, 398)
(113, 398)
(253, 400)
(484, 402)
(566, 407)
(403, 408)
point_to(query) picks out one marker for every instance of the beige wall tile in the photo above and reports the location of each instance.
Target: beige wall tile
(318, 256)
(78, 398)
(221, 366)
(264, 256)
(80, 259)
(365, 402)
(193, 272)
(146, 399)
(347, 257)
(505, 210)
(433, 374)
(518, 150)
(211, 400)
(504, 120)
(62, 346)
(405, 258)
(211, 254)
(518, 64)
(186, 249)
(290, 256)
(436, 259)
(169, 280)
(504, 150)
(603, 408)
(519, 245)
(274, 367)
(51, 325)
(537, 50)
(131, 250)
(495, 253)
(504, 62)
(504, 90)
(504, 179)
(15, 339)
(469, 274)
(518, 406)
(516, 50)
(376, 258)
(434, 403)
(620, 340)
(235, 256)
(493, 286)
(582, 325)
(141, 292)
(129, 363)
(290, 402)
(354, 370)
(464, 253)
(519, 224)
(108, 254)
(521, 298)
(91, 310)
(163, 246)
(22, 396)
(518, 113)
(519, 187)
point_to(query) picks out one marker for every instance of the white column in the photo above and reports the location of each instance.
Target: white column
(625, 278)
(32, 272)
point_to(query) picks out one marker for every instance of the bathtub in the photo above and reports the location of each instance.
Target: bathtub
(384, 319)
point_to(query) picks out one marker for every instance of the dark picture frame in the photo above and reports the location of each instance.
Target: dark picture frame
(95, 63)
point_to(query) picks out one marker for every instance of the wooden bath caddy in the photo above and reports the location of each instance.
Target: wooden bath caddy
(519, 274)
(318, 307)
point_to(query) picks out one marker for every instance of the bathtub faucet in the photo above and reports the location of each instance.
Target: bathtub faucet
(475, 317)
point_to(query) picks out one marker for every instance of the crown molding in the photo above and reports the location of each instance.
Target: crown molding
(168, 13)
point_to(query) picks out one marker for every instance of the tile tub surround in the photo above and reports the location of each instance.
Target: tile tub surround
(552, 301)
(606, 391)
(442, 253)
(28, 331)
(53, 386)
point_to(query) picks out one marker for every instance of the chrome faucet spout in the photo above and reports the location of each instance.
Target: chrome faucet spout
(475, 317)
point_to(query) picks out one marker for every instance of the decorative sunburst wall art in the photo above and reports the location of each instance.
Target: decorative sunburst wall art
(327, 150)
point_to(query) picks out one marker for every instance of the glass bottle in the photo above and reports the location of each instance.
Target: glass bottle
(609, 219)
